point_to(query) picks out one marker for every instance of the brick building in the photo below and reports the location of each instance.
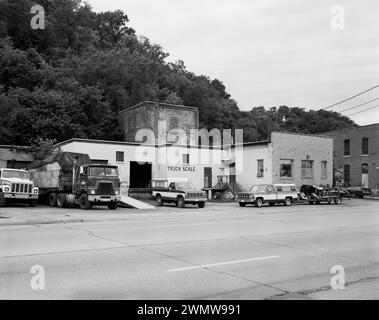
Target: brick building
(147, 115)
(356, 156)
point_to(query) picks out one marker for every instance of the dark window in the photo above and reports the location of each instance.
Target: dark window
(279, 189)
(346, 174)
(365, 146)
(119, 156)
(260, 167)
(364, 168)
(172, 185)
(346, 146)
(286, 168)
(174, 123)
(186, 158)
(324, 169)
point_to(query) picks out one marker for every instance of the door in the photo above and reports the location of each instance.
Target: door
(270, 194)
(207, 177)
(365, 183)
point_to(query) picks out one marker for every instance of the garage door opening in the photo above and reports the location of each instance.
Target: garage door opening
(140, 175)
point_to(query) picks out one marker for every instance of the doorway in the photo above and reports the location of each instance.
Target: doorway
(140, 175)
(365, 183)
(207, 177)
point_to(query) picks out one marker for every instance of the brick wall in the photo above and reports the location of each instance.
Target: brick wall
(356, 158)
(148, 114)
(297, 147)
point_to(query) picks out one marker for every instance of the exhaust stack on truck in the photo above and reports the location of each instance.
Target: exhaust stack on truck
(66, 179)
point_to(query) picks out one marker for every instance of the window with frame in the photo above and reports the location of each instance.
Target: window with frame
(346, 147)
(286, 168)
(186, 158)
(364, 146)
(260, 168)
(307, 168)
(119, 156)
(324, 169)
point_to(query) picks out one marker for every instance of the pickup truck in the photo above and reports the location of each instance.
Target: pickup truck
(269, 193)
(178, 191)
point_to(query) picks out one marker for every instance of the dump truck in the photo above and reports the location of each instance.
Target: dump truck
(15, 186)
(67, 179)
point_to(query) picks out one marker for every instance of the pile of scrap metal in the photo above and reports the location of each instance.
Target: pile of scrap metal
(317, 195)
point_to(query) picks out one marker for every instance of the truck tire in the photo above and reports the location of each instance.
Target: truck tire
(181, 203)
(3, 201)
(84, 204)
(113, 206)
(201, 205)
(288, 202)
(338, 201)
(53, 199)
(61, 200)
(258, 203)
(159, 201)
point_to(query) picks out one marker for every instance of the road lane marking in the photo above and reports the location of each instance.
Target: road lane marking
(223, 263)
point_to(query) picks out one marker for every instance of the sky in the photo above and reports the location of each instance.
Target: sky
(298, 53)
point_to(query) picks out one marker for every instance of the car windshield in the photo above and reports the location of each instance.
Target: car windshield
(15, 174)
(103, 171)
(258, 189)
(184, 185)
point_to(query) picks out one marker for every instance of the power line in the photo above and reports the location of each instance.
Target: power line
(353, 114)
(357, 95)
(360, 105)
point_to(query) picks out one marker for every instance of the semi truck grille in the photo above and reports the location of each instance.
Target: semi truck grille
(105, 189)
(243, 195)
(21, 188)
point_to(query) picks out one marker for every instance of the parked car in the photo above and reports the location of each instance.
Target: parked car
(179, 191)
(358, 192)
(269, 193)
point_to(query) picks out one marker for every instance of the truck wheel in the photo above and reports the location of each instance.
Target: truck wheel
(53, 199)
(61, 200)
(259, 203)
(337, 201)
(201, 205)
(113, 206)
(159, 201)
(288, 202)
(84, 204)
(32, 203)
(3, 201)
(181, 203)
(242, 204)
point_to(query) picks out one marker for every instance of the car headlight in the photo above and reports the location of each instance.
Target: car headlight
(93, 191)
(6, 189)
(117, 192)
(35, 190)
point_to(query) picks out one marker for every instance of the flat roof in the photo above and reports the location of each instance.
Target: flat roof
(159, 104)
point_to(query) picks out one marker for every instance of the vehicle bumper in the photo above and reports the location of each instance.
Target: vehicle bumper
(16, 196)
(194, 200)
(103, 198)
(247, 201)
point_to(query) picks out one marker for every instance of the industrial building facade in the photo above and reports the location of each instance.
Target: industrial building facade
(356, 156)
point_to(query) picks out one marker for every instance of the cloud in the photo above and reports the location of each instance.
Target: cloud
(267, 52)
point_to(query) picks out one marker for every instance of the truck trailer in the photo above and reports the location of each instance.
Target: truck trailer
(66, 179)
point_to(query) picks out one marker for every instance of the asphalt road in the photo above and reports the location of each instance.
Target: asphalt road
(220, 252)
